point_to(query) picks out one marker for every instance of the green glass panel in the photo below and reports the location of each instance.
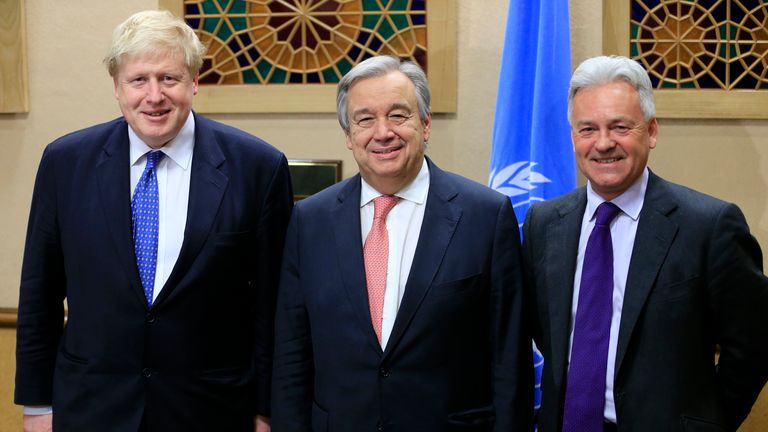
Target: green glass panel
(250, 77)
(634, 30)
(209, 24)
(278, 77)
(764, 85)
(723, 30)
(209, 7)
(264, 68)
(371, 5)
(370, 21)
(667, 84)
(239, 23)
(723, 51)
(344, 66)
(224, 4)
(330, 76)
(385, 30)
(399, 5)
(401, 21)
(238, 7)
(732, 49)
(689, 85)
(224, 32)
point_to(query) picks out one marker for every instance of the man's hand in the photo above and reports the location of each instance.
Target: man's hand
(43, 423)
(261, 424)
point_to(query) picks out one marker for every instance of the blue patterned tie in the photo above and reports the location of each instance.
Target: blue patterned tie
(585, 390)
(145, 205)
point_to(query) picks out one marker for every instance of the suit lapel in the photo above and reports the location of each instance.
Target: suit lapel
(562, 244)
(349, 247)
(113, 177)
(208, 182)
(655, 233)
(441, 216)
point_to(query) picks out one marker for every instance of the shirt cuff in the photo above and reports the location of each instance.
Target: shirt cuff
(38, 410)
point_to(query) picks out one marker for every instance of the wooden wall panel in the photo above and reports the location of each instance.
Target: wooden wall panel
(13, 58)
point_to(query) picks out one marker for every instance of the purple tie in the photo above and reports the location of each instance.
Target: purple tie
(585, 390)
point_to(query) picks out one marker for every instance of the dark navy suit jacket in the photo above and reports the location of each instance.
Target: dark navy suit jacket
(459, 356)
(695, 282)
(200, 358)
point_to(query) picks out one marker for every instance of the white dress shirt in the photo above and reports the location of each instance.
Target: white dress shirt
(403, 228)
(623, 230)
(173, 176)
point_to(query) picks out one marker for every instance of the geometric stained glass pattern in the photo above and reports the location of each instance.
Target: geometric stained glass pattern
(302, 41)
(703, 44)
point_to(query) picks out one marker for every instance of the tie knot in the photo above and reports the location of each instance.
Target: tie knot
(605, 213)
(383, 204)
(153, 158)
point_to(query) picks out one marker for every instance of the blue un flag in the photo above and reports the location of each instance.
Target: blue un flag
(532, 159)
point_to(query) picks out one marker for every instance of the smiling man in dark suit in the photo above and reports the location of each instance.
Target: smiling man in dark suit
(635, 281)
(400, 303)
(163, 231)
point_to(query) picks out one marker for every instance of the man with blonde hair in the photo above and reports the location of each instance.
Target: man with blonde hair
(163, 231)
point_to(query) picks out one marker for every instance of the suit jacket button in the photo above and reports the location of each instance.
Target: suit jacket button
(384, 372)
(150, 318)
(146, 373)
(379, 426)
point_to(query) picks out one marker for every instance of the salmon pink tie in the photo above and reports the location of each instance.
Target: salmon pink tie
(376, 254)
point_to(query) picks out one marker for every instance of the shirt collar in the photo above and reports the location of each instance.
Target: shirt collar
(630, 201)
(415, 191)
(179, 149)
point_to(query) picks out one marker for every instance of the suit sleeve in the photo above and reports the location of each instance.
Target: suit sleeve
(739, 298)
(269, 248)
(42, 292)
(511, 338)
(292, 386)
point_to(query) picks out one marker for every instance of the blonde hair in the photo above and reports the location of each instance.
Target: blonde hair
(151, 32)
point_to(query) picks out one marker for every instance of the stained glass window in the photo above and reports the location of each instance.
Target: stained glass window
(704, 44)
(302, 41)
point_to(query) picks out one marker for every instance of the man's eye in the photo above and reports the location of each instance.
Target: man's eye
(365, 122)
(586, 131)
(398, 118)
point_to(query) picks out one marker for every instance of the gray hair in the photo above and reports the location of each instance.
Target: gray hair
(378, 66)
(153, 31)
(597, 71)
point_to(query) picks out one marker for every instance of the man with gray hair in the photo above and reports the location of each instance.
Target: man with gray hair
(400, 302)
(163, 231)
(635, 282)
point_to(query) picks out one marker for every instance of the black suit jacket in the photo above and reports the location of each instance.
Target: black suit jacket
(200, 358)
(459, 357)
(695, 281)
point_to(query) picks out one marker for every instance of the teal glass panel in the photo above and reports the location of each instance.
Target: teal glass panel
(330, 76)
(371, 5)
(401, 21)
(209, 24)
(279, 76)
(250, 77)
(370, 21)
(385, 30)
(209, 7)
(225, 32)
(264, 67)
(238, 7)
(239, 23)
(344, 66)
(398, 5)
